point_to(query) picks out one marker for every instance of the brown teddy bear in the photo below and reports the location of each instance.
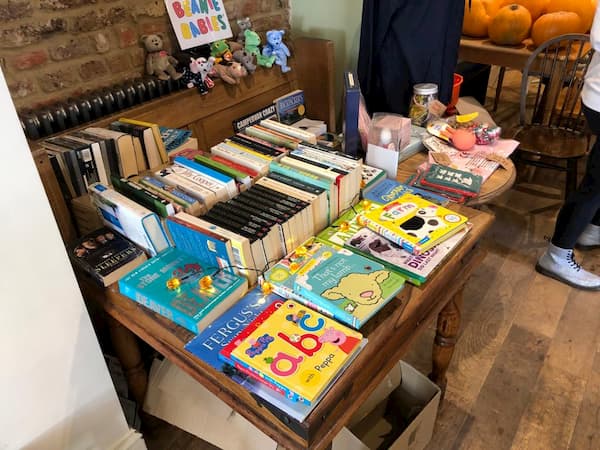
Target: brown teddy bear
(158, 61)
(231, 73)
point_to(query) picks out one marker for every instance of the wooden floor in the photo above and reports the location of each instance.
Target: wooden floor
(526, 371)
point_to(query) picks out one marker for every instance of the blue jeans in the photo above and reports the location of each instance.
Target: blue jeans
(582, 206)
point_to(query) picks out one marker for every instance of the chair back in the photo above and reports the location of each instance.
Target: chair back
(552, 81)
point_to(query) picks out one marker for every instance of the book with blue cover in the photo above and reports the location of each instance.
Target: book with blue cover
(201, 242)
(388, 190)
(335, 281)
(190, 305)
(207, 345)
(290, 107)
(218, 177)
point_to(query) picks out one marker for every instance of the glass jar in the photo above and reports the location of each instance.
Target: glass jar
(423, 95)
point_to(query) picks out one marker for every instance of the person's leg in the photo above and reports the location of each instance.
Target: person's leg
(580, 208)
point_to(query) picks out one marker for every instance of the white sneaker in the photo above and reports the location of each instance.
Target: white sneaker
(560, 264)
(590, 238)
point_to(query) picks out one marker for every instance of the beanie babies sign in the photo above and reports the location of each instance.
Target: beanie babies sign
(198, 22)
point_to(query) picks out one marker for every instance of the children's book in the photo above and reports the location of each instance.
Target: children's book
(299, 350)
(190, 304)
(370, 177)
(388, 190)
(105, 255)
(207, 345)
(415, 268)
(335, 281)
(343, 227)
(414, 223)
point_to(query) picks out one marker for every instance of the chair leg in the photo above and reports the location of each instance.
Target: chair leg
(571, 184)
(499, 87)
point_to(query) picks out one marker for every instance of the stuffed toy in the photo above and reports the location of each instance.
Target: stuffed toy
(196, 74)
(220, 51)
(252, 46)
(230, 74)
(245, 59)
(158, 61)
(275, 47)
(243, 25)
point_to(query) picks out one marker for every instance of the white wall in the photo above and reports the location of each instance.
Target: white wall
(55, 390)
(336, 20)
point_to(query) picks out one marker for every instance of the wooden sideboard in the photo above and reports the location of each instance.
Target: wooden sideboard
(209, 116)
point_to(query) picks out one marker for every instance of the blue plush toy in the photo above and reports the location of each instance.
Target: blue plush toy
(275, 47)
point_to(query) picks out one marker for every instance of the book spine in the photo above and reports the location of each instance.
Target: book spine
(137, 193)
(223, 180)
(240, 177)
(309, 298)
(289, 130)
(227, 152)
(206, 196)
(243, 169)
(377, 228)
(159, 308)
(217, 189)
(270, 137)
(256, 376)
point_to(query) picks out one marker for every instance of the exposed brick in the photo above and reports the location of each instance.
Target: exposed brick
(27, 34)
(248, 8)
(153, 8)
(277, 21)
(72, 49)
(102, 42)
(15, 10)
(57, 80)
(92, 69)
(154, 27)
(21, 88)
(55, 5)
(30, 59)
(138, 57)
(98, 20)
(118, 63)
(128, 36)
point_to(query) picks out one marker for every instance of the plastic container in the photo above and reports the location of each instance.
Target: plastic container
(423, 95)
(458, 80)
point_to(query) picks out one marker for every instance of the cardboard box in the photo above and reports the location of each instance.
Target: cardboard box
(416, 398)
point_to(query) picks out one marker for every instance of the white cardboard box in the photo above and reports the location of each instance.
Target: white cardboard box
(418, 433)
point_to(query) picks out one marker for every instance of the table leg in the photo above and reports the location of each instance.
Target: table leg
(448, 324)
(128, 351)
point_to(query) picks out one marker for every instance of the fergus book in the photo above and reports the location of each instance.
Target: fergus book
(299, 349)
(190, 305)
(106, 255)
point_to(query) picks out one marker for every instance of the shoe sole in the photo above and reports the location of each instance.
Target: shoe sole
(547, 273)
(587, 247)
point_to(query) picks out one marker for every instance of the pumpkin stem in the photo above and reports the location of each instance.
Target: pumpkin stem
(514, 7)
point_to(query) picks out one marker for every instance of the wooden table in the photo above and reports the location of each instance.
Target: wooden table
(390, 334)
(483, 51)
(499, 182)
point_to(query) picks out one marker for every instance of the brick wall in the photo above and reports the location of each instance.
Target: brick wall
(54, 49)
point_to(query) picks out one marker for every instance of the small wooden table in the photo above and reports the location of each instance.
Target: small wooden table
(499, 182)
(483, 51)
(390, 334)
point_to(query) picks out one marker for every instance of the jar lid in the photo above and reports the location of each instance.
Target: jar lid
(425, 88)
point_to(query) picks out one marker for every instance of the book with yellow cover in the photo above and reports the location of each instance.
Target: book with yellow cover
(299, 350)
(414, 223)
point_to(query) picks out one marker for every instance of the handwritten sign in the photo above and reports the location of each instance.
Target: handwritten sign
(198, 22)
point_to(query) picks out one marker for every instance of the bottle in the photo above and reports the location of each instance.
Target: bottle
(423, 95)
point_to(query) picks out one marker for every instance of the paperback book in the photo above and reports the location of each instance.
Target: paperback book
(299, 350)
(106, 255)
(414, 223)
(191, 304)
(290, 107)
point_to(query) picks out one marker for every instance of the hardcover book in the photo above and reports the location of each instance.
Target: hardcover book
(290, 107)
(352, 143)
(299, 350)
(343, 227)
(190, 305)
(207, 345)
(335, 281)
(415, 268)
(106, 255)
(413, 222)
(388, 190)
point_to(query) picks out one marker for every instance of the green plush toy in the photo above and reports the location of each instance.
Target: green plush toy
(252, 46)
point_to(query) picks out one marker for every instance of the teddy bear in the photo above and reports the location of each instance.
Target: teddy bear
(245, 59)
(158, 61)
(231, 73)
(196, 74)
(251, 45)
(276, 47)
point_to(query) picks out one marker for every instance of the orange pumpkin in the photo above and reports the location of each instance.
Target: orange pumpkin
(585, 9)
(478, 16)
(554, 24)
(510, 26)
(535, 7)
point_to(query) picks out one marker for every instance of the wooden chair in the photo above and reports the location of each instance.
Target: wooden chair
(552, 129)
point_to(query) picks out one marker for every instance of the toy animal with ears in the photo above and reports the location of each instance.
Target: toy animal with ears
(196, 74)
(231, 73)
